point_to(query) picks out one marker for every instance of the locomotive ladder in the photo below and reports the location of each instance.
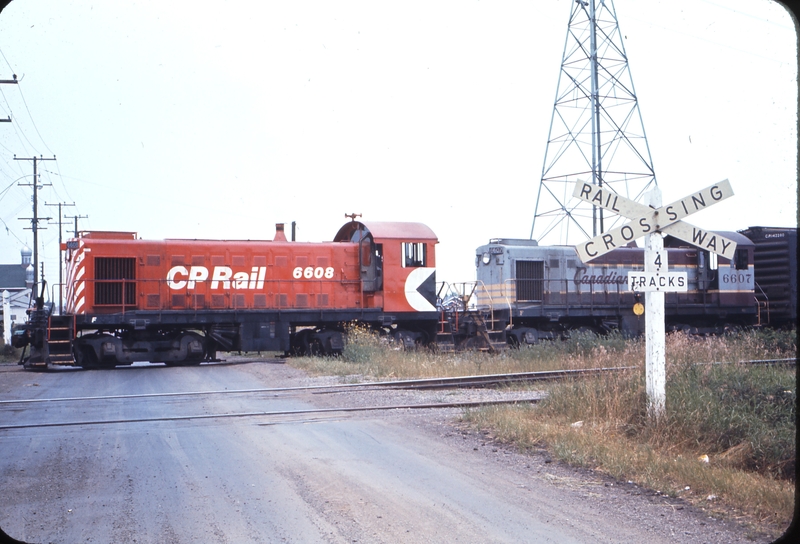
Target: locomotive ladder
(445, 341)
(493, 339)
(60, 334)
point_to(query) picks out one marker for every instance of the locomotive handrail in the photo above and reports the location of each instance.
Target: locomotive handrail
(508, 302)
(491, 303)
(453, 290)
(53, 295)
(758, 303)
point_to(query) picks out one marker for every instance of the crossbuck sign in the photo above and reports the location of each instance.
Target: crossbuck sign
(645, 220)
(652, 222)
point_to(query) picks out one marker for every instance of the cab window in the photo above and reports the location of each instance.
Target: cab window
(414, 254)
(740, 259)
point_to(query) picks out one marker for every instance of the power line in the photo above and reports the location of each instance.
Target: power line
(8, 82)
(34, 123)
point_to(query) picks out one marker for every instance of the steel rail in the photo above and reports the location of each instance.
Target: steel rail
(790, 361)
(483, 380)
(270, 413)
(499, 379)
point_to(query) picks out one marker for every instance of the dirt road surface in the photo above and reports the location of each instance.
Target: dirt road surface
(195, 468)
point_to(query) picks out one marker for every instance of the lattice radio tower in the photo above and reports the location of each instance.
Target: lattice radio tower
(596, 132)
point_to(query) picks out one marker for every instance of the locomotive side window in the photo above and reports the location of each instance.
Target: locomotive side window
(414, 254)
(366, 255)
(371, 264)
(740, 259)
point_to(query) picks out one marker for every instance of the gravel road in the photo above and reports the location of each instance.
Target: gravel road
(389, 476)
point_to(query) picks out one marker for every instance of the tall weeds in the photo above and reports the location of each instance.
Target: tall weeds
(729, 431)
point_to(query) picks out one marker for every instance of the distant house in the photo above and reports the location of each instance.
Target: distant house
(17, 280)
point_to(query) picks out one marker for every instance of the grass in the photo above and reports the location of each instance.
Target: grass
(369, 356)
(726, 443)
(728, 438)
(8, 354)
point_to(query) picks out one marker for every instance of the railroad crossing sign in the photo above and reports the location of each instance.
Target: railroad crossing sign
(651, 222)
(645, 220)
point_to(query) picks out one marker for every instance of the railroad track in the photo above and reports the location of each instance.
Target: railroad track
(486, 380)
(271, 413)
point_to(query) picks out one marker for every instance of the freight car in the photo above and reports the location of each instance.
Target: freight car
(181, 301)
(775, 261)
(534, 292)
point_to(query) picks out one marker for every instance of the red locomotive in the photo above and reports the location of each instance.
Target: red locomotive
(181, 301)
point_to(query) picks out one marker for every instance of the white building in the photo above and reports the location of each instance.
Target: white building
(17, 281)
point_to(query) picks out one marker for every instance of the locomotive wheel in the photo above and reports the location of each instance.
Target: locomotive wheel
(408, 340)
(88, 359)
(314, 348)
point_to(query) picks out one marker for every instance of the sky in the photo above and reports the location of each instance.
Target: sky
(178, 122)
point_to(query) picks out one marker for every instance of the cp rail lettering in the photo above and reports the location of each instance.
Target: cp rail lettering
(179, 277)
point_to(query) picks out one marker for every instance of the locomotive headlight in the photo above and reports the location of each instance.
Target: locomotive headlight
(486, 258)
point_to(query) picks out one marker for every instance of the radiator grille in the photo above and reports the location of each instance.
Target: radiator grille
(113, 277)
(530, 280)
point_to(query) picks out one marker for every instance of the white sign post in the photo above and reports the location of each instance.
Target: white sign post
(655, 375)
(653, 221)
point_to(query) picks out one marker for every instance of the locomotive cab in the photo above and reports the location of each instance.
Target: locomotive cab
(397, 263)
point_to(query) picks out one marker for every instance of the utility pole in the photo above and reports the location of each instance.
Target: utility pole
(35, 219)
(76, 217)
(8, 82)
(60, 259)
